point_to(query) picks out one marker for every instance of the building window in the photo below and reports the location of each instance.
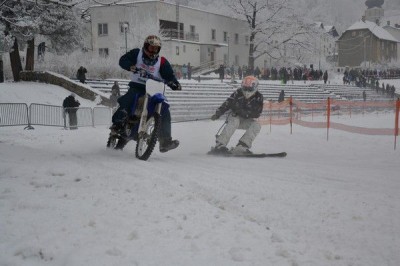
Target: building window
(225, 36)
(353, 34)
(123, 26)
(102, 29)
(103, 52)
(213, 34)
(184, 48)
(192, 29)
(177, 50)
(246, 40)
(236, 60)
(236, 38)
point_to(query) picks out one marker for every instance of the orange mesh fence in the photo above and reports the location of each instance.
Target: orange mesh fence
(292, 111)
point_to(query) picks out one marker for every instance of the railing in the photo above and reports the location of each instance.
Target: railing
(19, 114)
(181, 35)
(192, 104)
(14, 114)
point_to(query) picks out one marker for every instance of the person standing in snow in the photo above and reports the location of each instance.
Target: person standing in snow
(245, 105)
(81, 74)
(70, 105)
(115, 94)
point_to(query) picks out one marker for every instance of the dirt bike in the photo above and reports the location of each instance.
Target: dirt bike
(144, 121)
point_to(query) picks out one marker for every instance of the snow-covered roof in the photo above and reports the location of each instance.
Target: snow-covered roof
(377, 30)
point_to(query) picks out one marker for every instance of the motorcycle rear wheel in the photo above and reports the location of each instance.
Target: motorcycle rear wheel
(147, 141)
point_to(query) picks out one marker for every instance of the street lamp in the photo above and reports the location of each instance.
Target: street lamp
(125, 26)
(228, 51)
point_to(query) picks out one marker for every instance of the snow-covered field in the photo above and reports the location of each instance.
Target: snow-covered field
(66, 200)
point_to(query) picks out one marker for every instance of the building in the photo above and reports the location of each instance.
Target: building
(365, 43)
(327, 42)
(394, 30)
(202, 38)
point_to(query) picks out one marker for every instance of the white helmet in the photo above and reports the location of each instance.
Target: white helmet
(152, 40)
(249, 86)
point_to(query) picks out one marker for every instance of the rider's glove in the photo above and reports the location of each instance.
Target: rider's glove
(175, 86)
(214, 117)
(133, 68)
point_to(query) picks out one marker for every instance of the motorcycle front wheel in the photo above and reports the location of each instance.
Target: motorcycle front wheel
(148, 140)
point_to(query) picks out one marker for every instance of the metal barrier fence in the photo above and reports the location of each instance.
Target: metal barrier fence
(14, 114)
(46, 115)
(19, 114)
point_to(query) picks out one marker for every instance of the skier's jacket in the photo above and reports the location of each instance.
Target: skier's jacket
(241, 106)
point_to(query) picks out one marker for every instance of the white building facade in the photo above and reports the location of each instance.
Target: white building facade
(202, 38)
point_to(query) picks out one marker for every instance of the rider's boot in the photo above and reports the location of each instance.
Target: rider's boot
(168, 144)
(121, 144)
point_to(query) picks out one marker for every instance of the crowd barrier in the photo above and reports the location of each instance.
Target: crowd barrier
(296, 112)
(20, 114)
(289, 111)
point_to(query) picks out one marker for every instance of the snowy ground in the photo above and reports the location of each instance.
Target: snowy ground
(66, 200)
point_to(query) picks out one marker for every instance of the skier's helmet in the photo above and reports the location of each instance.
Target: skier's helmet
(152, 46)
(249, 86)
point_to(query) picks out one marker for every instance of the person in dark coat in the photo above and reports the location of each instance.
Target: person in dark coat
(148, 59)
(325, 76)
(245, 105)
(221, 71)
(70, 105)
(81, 74)
(281, 97)
(115, 94)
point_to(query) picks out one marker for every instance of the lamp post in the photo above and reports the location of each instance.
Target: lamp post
(125, 26)
(228, 52)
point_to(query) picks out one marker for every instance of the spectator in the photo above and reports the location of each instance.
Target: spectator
(189, 71)
(81, 74)
(70, 105)
(257, 72)
(240, 72)
(325, 76)
(281, 97)
(221, 71)
(364, 94)
(184, 71)
(115, 94)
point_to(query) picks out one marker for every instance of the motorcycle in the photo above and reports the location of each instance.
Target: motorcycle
(143, 123)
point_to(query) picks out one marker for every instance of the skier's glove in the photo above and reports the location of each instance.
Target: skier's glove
(214, 117)
(175, 86)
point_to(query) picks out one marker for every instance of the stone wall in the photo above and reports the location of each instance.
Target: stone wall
(66, 83)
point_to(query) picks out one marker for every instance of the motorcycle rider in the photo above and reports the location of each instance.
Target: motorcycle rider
(245, 104)
(147, 58)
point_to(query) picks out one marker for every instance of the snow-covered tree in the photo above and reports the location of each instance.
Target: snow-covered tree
(22, 20)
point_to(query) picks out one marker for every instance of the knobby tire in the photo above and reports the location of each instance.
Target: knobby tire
(151, 141)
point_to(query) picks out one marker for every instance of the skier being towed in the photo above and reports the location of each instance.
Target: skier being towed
(245, 104)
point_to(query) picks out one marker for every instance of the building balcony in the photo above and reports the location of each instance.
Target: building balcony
(181, 35)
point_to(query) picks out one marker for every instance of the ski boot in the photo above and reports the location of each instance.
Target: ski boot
(168, 144)
(219, 149)
(241, 149)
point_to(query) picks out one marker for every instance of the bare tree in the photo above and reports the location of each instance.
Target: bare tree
(273, 25)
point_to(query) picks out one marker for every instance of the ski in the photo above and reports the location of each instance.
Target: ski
(249, 155)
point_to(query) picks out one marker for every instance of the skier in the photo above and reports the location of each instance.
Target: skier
(245, 104)
(147, 59)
